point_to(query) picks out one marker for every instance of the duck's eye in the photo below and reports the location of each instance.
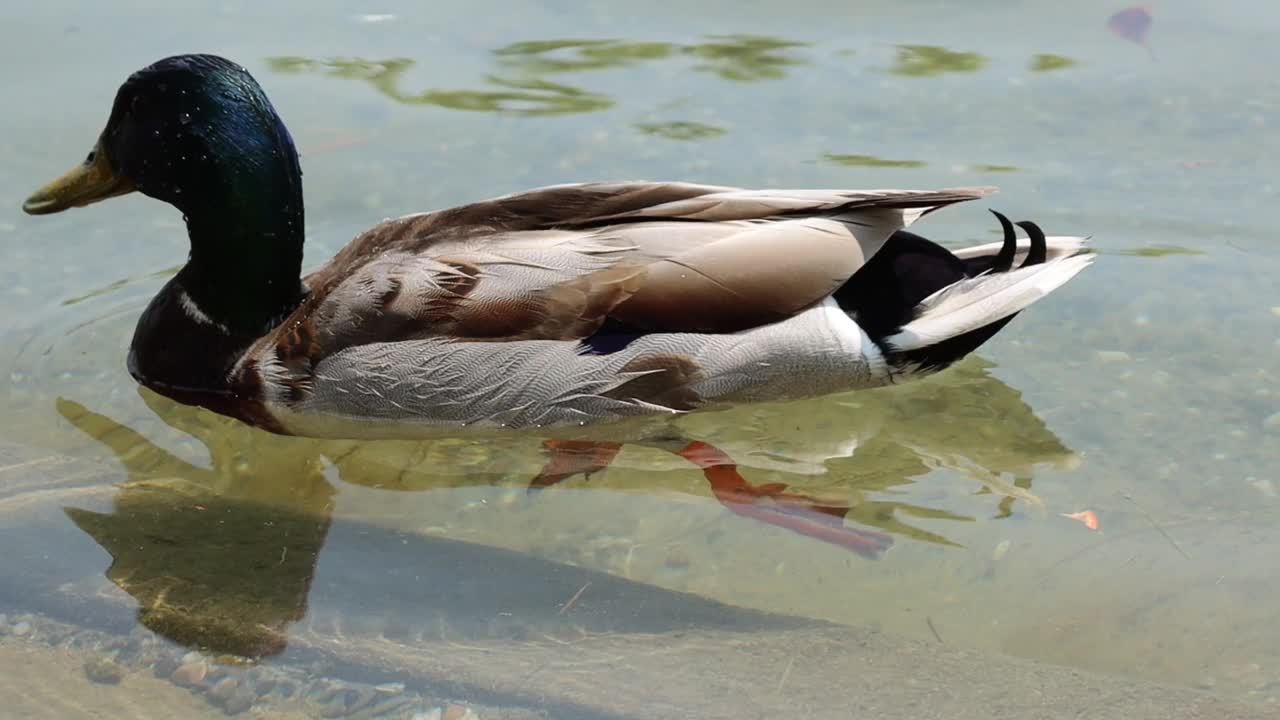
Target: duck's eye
(89, 159)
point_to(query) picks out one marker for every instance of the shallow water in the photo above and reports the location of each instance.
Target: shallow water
(1146, 390)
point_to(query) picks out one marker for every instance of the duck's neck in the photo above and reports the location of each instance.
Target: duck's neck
(241, 279)
(244, 271)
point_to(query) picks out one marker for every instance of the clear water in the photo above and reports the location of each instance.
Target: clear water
(1147, 390)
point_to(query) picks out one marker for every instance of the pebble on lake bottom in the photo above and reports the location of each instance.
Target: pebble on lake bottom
(189, 674)
(239, 702)
(235, 686)
(459, 712)
(1113, 356)
(1001, 550)
(104, 670)
(224, 689)
(1264, 486)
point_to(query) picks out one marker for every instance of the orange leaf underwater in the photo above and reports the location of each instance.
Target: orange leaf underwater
(1087, 517)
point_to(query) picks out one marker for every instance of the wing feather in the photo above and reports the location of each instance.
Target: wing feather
(555, 262)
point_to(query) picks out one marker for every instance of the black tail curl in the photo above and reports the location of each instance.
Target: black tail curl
(1003, 261)
(885, 293)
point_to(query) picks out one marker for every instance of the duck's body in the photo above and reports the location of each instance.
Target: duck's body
(572, 305)
(568, 305)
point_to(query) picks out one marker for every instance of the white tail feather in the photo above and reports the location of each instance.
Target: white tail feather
(973, 303)
(1058, 246)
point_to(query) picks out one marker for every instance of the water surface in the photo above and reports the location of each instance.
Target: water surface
(1146, 390)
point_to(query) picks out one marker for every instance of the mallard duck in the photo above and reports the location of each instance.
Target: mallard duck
(560, 307)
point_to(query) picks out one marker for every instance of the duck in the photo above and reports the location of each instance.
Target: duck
(558, 308)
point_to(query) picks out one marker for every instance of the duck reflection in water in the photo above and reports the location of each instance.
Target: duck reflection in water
(212, 563)
(223, 560)
(224, 557)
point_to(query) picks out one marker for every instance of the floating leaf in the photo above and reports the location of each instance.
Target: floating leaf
(746, 58)
(1045, 62)
(681, 130)
(872, 161)
(525, 69)
(518, 95)
(929, 60)
(540, 57)
(1160, 251)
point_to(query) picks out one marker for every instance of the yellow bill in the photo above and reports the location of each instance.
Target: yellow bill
(91, 181)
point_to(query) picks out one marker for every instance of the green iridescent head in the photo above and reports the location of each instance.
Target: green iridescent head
(195, 131)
